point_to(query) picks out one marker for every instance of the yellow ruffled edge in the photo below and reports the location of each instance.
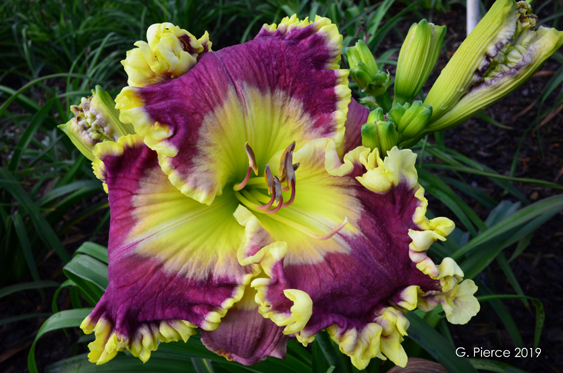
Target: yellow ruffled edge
(268, 256)
(108, 342)
(385, 334)
(148, 335)
(111, 148)
(323, 26)
(361, 346)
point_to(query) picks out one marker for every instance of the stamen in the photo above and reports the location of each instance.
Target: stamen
(251, 166)
(242, 184)
(269, 178)
(278, 197)
(287, 153)
(277, 188)
(251, 158)
(288, 203)
(289, 172)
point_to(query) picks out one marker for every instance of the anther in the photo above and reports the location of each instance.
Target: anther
(269, 178)
(251, 166)
(277, 196)
(287, 153)
(251, 158)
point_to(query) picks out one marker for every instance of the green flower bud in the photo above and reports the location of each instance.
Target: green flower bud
(388, 136)
(360, 53)
(414, 120)
(376, 115)
(95, 120)
(397, 111)
(370, 136)
(361, 76)
(364, 71)
(417, 58)
(379, 85)
(501, 53)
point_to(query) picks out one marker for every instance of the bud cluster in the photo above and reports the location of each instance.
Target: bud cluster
(95, 120)
(364, 70)
(403, 122)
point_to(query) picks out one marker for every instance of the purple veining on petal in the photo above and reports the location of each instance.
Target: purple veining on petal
(246, 337)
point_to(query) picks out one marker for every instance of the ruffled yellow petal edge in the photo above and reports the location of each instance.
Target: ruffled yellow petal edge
(168, 53)
(333, 39)
(111, 148)
(399, 166)
(268, 257)
(456, 296)
(148, 335)
(108, 342)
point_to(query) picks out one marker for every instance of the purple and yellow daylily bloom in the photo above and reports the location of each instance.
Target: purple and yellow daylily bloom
(244, 207)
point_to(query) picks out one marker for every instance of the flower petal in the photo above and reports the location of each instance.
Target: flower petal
(173, 261)
(284, 85)
(357, 116)
(358, 282)
(245, 336)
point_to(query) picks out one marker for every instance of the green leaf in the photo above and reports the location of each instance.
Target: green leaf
(89, 274)
(540, 313)
(44, 229)
(94, 250)
(27, 286)
(65, 284)
(549, 205)
(63, 319)
(26, 248)
(27, 136)
(23, 317)
(437, 346)
(485, 253)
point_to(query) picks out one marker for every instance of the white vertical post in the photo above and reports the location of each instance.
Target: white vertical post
(472, 14)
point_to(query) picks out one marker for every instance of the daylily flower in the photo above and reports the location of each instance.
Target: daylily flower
(245, 207)
(499, 55)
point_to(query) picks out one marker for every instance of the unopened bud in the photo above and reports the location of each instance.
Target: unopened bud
(388, 136)
(414, 120)
(396, 113)
(417, 58)
(95, 120)
(499, 55)
(370, 135)
(360, 54)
